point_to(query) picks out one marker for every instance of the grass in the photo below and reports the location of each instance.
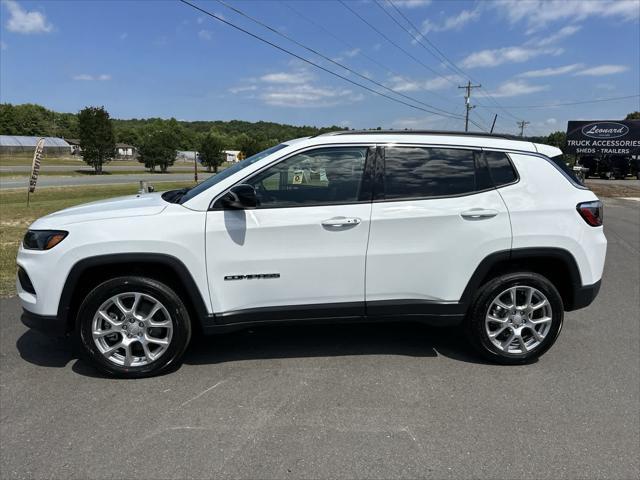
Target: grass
(15, 216)
(12, 159)
(84, 173)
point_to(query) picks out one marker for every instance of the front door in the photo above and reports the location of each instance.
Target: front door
(301, 252)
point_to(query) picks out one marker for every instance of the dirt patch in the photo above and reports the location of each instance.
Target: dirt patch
(614, 190)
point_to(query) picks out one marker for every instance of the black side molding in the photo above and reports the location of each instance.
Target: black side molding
(584, 296)
(113, 260)
(44, 323)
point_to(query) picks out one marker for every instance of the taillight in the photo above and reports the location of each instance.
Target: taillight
(592, 212)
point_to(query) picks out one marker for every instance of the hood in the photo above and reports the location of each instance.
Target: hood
(129, 206)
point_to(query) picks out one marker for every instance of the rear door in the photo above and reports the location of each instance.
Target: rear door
(435, 217)
(301, 253)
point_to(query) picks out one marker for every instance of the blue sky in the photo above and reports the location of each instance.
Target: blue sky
(163, 58)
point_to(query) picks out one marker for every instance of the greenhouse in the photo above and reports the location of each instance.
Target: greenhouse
(10, 144)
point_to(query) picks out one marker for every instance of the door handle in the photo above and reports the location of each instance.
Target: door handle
(478, 214)
(340, 222)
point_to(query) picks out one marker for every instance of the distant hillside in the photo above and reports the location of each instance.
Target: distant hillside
(31, 119)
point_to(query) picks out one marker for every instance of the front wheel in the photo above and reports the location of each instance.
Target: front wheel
(515, 318)
(132, 327)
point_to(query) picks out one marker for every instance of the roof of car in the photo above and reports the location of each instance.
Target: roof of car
(435, 137)
(421, 132)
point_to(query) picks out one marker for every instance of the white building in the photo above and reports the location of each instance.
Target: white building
(233, 156)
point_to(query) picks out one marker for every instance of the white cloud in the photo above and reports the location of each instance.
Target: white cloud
(402, 84)
(243, 88)
(538, 14)
(603, 70)
(417, 122)
(606, 86)
(89, 78)
(351, 53)
(552, 71)
(411, 3)
(514, 88)
(498, 56)
(287, 77)
(564, 32)
(307, 95)
(22, 21)
(455, 22)
(551, 121)
(295, 89)
(204, 35)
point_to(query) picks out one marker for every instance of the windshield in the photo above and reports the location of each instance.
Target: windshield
(227, 172)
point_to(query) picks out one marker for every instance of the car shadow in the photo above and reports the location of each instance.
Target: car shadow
(278, 342)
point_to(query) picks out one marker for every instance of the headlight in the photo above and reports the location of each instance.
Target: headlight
(43, 239)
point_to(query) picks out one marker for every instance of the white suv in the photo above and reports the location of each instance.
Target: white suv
(482, 230)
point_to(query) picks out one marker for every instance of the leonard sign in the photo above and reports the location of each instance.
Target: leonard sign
(606, 137)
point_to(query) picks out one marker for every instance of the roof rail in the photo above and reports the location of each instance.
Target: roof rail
(421, 132)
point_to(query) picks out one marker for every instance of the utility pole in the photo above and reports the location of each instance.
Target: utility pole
(522, 124)
(195, 167)
(467, 100)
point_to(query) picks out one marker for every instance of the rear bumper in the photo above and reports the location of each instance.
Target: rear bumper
(584, 296)
(50, 325)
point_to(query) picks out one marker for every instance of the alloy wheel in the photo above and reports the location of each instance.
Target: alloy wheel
(518, 320)
(132, 329)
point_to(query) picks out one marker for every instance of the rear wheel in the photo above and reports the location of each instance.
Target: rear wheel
(515, 318)
(132, 327)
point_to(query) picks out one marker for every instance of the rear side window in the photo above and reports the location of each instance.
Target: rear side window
(414, 172)
(561, 162)
(502, 171)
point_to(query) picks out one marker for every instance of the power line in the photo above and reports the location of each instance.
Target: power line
(422, 36)
(325, 57)
(443, 58)
(335, 37)
(299, 57)
(612, 99)
(416, 39)
(446, 59)
(388, 39)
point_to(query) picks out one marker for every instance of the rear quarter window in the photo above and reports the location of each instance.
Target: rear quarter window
(502, 171)
(560, 161)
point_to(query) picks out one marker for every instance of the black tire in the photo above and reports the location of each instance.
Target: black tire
(475, 320)
(179, 317)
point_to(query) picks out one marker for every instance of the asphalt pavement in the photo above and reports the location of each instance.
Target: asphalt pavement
(344, 401)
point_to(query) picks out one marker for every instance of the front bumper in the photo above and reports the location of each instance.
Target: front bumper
(51, 325)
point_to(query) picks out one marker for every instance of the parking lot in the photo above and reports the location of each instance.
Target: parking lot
(342, 401)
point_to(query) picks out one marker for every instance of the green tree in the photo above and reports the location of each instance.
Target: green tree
(97, 140)
(633, 116)
(211, 150)
(557, 139)
(158, 148)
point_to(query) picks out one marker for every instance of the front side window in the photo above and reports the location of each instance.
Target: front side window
(318, 177)
(418, 172)
(188, 194)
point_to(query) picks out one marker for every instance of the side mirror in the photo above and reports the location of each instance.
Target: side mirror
(240, 197)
